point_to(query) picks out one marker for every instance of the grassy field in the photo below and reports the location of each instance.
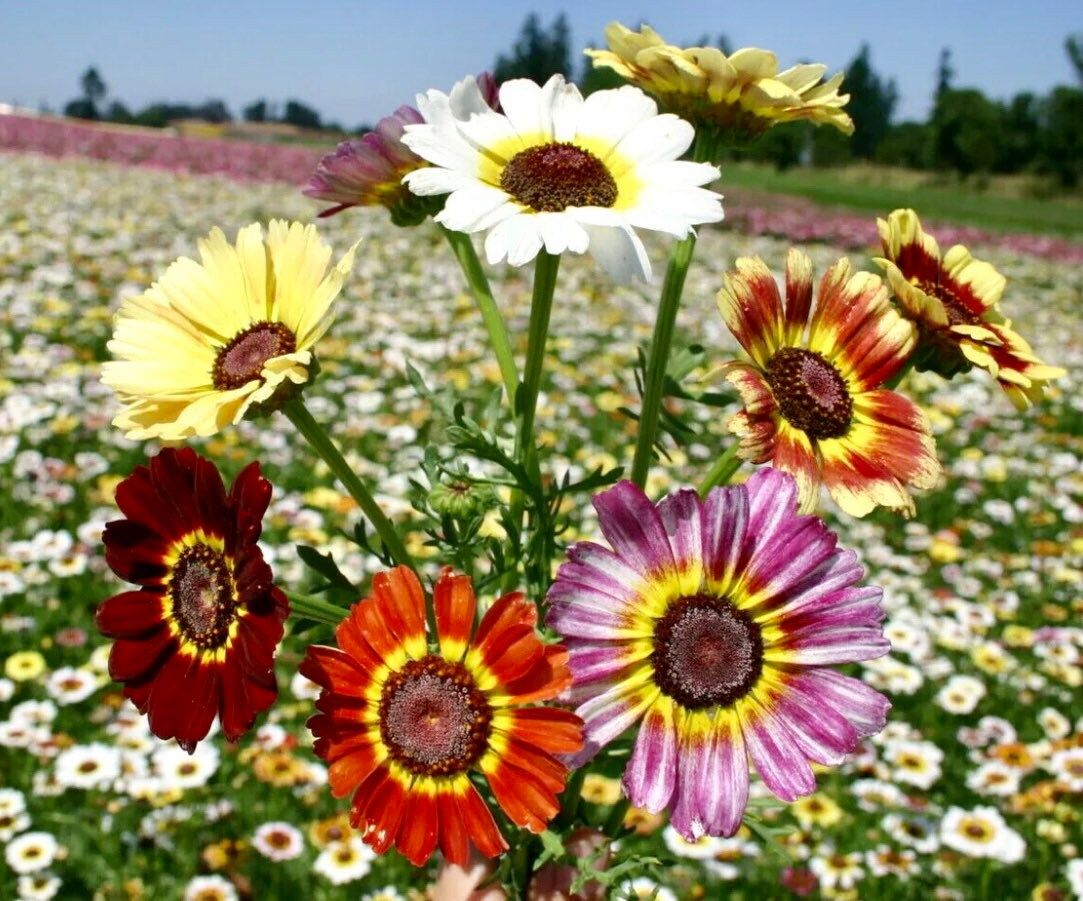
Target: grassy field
(1000, 206)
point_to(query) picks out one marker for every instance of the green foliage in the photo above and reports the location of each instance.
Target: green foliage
(539, 53)
(1061, 138)
(872, 103)
(966, 128)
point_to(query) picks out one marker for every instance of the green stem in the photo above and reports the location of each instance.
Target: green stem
(722, 470)
(614, 823)
(669, 303)
(526, 397)
(314, 608)
(321, 442)
(541, 306)
(463, 248)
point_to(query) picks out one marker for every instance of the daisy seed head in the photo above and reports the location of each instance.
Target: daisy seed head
(555, 176)
(811, 394)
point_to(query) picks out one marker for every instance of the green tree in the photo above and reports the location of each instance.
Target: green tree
(256, 112)
(301, 115)
(908, 144)
(872, 103)
(967, 128)
(1061, 140)
(1073, 46)
(538, 53)
(945, 73)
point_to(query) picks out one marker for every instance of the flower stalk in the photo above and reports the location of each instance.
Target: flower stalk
(463, 248)
(322, 443)
(309, 607)
(722, 470)
(670, 302)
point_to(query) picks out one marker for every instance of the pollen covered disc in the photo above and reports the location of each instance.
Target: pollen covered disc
(810, 392)
(707, 653)
(551, 177)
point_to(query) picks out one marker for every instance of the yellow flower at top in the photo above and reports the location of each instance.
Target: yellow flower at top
(210, 340)
(741, 94)
(22, 666)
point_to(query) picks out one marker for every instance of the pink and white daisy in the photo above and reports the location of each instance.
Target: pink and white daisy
(715, 624)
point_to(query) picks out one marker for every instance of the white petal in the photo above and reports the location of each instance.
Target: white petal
(516, 238)
(567, 102)
(441, 145)
(468, 206)
(610, 115)
(664, 137)
(620, 252)
(561, 232)
(465, 99)
(434, 180)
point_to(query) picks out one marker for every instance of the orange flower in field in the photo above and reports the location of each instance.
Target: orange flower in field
(954, 302)
(405, 716)
(814, 405)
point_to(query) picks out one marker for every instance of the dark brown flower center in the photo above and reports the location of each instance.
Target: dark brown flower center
(707, 653)
(810, 393)
(203, 601)
(552, 177)
(242, 359)
(957, 312)
(433, 718)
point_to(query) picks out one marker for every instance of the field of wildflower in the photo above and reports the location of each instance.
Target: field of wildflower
(981, 587)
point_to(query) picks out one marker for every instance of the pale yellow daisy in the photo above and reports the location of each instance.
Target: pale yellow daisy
(212, 339)
(742, 94)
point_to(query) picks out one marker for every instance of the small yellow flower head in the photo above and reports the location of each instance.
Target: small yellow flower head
(738, 96)
(22, 666)
(211, 341)
(816, 810)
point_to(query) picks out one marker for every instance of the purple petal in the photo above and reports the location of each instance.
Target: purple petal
(682, 518)
(800, 545)
(863, 706)
(731, 759)
(651, 774)
(606, 715)
(603, 661)
(772, 502)
(778, 758)
(839, 571)
(632, 526)
(725, 531)
(822, 733)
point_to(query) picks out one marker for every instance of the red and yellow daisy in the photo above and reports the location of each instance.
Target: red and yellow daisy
(954, 302)
(814, 405)
(198, 637)
(406, 716)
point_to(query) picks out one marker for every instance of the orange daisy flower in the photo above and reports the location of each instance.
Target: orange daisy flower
(953, 301)
(406, 716)
(814, 405)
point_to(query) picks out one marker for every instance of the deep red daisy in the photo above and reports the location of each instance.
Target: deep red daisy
(406, 716)
(198, 637)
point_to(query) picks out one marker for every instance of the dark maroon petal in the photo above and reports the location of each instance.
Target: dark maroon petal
(167, 705)
(130, 614)
(202, 693)
(236, 711)
(249, 498)
(253, 579)
(210, 498)
(138, 499)
(134, 552)
(173, 475)
(136, 658)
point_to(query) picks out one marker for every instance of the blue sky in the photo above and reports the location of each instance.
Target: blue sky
(356, 61)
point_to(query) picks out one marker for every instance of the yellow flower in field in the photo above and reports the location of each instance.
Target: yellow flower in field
(599, 789)
(22, 666)
(213, 339)
(740, 95)
(954, 300)
(817, 809)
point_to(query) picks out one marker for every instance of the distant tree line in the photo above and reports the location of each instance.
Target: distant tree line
(966, 132)
(91, 104)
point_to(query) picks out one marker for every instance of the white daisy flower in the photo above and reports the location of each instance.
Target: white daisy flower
(993, 778)
(179, 769)
(704, 848)
(1054, 723)
(88, 766)
(961, 694)
(842, 871)
(31, 851)
(69, 685)
(563, 173)
(278, 841)
(387, 893)
(981, 832)
(210, 888)
(914, 762)
(644, 888)
(1074, 874)
(345, 861)
(1067, 767)
(38, 887)
(12, 801)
